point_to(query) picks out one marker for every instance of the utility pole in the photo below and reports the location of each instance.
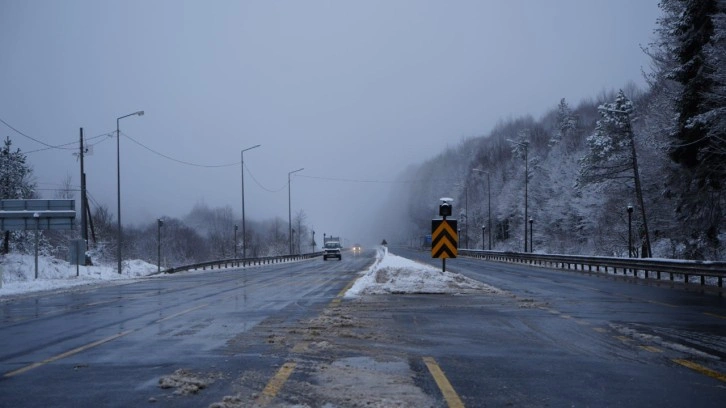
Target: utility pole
(526, 182)
(84, 225)
(159, 224)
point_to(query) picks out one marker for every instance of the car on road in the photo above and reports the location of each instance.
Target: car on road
(357, 248)
(332, 250)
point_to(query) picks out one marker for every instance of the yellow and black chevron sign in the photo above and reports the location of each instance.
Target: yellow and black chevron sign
(444, 239)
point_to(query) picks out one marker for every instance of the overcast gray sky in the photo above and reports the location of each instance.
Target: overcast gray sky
(349, 90)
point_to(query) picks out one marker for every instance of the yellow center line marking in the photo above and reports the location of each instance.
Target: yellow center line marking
(339, 296)
(183, 312)
(701, 369)
(92, 345)
(451, 397)
(599, 329)
(275, 385)
(623, 339)
(718, 316)
(66, 354)
(651, 349)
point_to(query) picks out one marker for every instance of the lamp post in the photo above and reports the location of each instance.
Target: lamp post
(118, 182)
(159, 223)
(244, 235)
(466, 211)
(531, 235)
(525, 145)
(289, 206)
(313, 241)
(489, 199)
(37, 240)
(483, 231)
(630, 231)
(235, 241)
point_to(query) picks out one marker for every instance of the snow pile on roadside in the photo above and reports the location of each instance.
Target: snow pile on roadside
(18, 273)
(394, 274)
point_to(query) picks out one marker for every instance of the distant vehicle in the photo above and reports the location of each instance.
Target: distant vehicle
(331, 248)
(357, 248)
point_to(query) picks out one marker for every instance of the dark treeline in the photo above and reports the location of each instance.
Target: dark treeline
(204, 234)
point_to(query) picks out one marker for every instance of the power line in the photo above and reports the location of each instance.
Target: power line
(263, 187)
(60, 147)
(344, 180)
(109, 134)
(177, 160)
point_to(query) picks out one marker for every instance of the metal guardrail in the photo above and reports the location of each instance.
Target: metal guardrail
(240, 263)
(676, 270)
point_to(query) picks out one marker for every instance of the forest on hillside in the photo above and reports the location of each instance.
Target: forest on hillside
(572, 175)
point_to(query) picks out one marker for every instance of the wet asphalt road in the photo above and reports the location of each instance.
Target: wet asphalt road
(551, 339)
(110, 346)
(571, 339)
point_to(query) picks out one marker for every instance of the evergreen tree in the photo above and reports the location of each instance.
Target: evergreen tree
(612, 154)
(698, 145)
(15, 180)
(696, 34)
(566, 124)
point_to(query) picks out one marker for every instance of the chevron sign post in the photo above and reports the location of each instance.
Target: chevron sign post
(444, 240)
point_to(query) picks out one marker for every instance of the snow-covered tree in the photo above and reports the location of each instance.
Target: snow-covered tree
(15, 179)
(690, 51)
(567, 124)
(612, 154)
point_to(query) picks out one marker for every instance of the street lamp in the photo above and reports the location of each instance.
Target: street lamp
(525, 145)
(244, 235)
(466, 218)
(531, 235)
(483, 232)
(489, 194)
(464, 214)
(118, 182)
(289, 206)
(159, 223)
(235, 241)
(630, 233)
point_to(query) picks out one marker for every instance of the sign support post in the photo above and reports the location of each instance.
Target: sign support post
(444, 239)
(37, 215)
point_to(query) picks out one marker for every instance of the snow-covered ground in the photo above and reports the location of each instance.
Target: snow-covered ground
(389, 274)
(17, 274)
(394, 274)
